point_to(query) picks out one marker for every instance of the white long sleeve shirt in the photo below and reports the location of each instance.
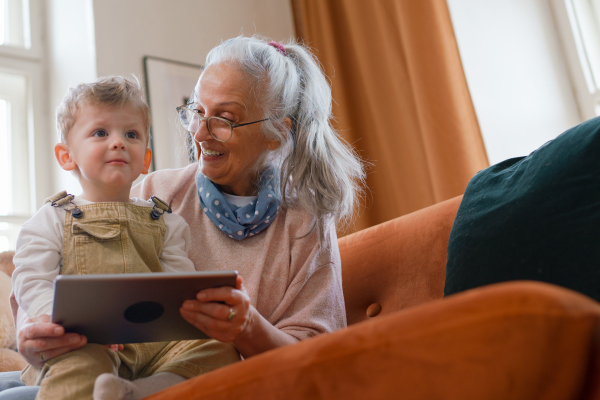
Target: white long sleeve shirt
(38, 258)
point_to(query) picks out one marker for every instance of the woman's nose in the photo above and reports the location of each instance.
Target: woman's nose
(201, 134)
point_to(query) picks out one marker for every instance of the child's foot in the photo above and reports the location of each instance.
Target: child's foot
(111, 387)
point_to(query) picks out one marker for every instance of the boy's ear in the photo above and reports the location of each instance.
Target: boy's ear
(147, 161)
(61, 152)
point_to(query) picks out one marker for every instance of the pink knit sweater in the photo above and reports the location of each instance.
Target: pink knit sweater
(294, 283)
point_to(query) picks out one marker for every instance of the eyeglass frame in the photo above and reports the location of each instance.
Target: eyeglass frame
(231, 125)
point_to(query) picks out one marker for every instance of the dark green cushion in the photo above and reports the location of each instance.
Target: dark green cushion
(534, 218)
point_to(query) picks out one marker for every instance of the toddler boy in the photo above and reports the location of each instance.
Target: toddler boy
(104, 130)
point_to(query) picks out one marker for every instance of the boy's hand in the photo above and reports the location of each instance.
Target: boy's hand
(115, 347)
(40, 340)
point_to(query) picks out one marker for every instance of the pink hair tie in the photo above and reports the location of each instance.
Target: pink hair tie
(279, 47)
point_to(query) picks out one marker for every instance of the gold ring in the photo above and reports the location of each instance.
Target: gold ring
(42, 356)
(231, 314)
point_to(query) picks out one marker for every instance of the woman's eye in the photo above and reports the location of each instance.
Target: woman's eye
(131, 135)
(100, 133)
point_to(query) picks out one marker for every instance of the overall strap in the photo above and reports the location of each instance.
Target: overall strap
(62, 199)
(160, 207)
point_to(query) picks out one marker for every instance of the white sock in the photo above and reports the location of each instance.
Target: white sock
(111, 387)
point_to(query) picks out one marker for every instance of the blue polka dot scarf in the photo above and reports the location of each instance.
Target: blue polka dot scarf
(240, 222)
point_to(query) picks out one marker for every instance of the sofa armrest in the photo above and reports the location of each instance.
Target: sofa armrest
(397, 264)
(515, 340)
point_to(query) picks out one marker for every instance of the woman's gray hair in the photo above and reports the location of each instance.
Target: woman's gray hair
(319, 172)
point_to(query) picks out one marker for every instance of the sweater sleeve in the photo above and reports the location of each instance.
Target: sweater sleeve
(174, 256)
(37, 260)
(314, 300)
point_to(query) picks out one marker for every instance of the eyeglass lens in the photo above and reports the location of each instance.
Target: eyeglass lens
(217, 127)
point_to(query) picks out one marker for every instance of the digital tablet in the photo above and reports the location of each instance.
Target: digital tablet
(131, 308)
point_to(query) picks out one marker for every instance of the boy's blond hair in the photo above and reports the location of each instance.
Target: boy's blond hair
(116, 91)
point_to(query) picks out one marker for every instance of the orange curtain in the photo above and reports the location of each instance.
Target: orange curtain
(400, 98)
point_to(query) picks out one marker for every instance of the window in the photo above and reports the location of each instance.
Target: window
(20, 77)
(7, 234)
(14, 145)
(578, 23)
(15, 179)
(15, 28)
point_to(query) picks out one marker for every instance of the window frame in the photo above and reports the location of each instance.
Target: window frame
(38, 137)
(30, 63)
(588, 103)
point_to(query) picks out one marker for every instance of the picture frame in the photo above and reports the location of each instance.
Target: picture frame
(169, 84)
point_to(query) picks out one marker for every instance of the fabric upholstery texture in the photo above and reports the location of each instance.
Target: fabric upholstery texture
(535, 218)
(518, 340)
(397, 264)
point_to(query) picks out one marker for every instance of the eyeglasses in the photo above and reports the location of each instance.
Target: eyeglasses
(219, 128)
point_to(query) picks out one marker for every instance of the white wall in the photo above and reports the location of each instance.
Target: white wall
(516, 73)
(91, 38)
(183, 30)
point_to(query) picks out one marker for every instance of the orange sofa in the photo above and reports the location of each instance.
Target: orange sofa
(518, 340)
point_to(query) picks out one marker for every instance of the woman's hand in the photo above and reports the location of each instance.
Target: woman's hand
(40, 340)
(222, 313)
(234, 321)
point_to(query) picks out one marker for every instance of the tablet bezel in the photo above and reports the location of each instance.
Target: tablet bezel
(77, 307)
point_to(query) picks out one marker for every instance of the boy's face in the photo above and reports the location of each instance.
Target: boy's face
(107, 149)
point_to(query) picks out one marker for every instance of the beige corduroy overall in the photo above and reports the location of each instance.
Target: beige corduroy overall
(110, 238)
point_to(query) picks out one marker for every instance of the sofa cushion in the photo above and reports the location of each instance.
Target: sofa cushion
(397, 264)
(533, 218)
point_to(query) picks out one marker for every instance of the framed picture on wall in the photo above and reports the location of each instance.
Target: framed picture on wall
(169, 84)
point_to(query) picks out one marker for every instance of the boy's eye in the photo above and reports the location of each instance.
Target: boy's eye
(131, 135)
(100, 133)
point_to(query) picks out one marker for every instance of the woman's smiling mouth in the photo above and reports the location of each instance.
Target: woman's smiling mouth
(211, 153)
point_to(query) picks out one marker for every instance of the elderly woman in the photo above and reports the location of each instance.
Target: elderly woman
(272, 181)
